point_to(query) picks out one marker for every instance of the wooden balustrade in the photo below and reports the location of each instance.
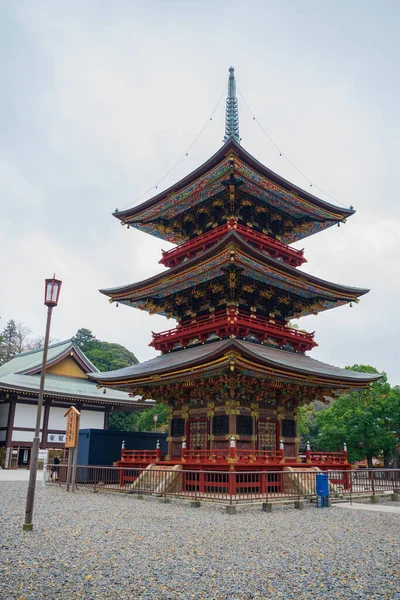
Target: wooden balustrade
(191, 248)
(326, 457)
(225, 324)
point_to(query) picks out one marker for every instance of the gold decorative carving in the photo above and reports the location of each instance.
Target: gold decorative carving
(254, 412)
(267, 294)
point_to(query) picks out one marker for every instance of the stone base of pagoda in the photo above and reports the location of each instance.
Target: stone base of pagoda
(213, 478)
(207, 461)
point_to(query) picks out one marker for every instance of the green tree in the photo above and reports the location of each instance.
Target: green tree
(124, 421)
(105, 356)
(84, 339)
(10, 342)
(308, 424)
(364, 419)
(146, 419)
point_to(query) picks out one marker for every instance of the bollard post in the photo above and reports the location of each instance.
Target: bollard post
(158, 451)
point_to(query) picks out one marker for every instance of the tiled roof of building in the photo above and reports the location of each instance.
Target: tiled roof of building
(22, 373)
(291, 361)
(32, 359)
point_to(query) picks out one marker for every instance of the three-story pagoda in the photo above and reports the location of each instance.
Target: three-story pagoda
(233, 371)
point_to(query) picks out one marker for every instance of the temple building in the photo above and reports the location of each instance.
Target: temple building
(66, 384)
(234, 371)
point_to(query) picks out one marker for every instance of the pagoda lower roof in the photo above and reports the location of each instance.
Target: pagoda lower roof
(257, 181)
(271, 362)
(254, 263)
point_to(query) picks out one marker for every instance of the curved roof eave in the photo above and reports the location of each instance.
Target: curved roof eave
(232, 145)
(260, 256)
(270, 357)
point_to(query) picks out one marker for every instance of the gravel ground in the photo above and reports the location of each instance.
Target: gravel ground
(113, 546)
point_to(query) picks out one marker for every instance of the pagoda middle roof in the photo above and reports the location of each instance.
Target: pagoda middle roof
(255, 264)
(280, 361)
(258, 181)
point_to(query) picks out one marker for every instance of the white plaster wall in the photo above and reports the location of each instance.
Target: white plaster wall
(91, 419)
(23, 436)
(4, 410)
(3, 436)
(57, 419)
(25, 415)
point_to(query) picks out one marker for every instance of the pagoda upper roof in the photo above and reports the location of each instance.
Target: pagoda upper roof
(257, 180)
(278, 364)
(233, 249)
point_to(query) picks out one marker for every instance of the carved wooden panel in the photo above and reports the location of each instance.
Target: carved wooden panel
(198, 435)
(290, 450)
(266, 435)
(221, 445)
(176, 449)
(243, 445)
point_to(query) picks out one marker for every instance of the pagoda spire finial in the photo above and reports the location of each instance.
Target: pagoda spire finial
(232, 111)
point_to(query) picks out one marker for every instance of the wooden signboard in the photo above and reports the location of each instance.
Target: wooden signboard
(71, 438)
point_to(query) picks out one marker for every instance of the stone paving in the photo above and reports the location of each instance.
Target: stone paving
(370, 507)
(17, 475)
(110, 546)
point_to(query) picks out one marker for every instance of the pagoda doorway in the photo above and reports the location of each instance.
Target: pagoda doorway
(198, 434)
(267, 435)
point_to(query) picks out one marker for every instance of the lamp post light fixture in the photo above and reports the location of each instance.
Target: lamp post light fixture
(51, 295)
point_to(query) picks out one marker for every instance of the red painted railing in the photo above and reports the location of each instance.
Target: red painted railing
(229, 486)
(263, 242)
(244, 456)
(142, 455)
(326, 457)
(232, 323)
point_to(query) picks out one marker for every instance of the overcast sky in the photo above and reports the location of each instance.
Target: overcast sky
(99, 99)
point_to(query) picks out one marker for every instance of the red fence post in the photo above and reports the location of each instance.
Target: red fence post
(346, 460)
(183, 455)
(232, 449)
(232, 485)
(201, 482)
(308, 453)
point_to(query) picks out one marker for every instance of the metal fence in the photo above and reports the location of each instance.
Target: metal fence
(229, 487)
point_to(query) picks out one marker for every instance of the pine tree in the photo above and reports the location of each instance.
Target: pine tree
(10, 342)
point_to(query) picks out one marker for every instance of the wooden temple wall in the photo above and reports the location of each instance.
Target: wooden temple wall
(253, 426)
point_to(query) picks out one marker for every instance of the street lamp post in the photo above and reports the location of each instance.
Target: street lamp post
(52, 292)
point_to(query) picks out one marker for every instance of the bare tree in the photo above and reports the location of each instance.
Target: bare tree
(35, 343)
(22, 334)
